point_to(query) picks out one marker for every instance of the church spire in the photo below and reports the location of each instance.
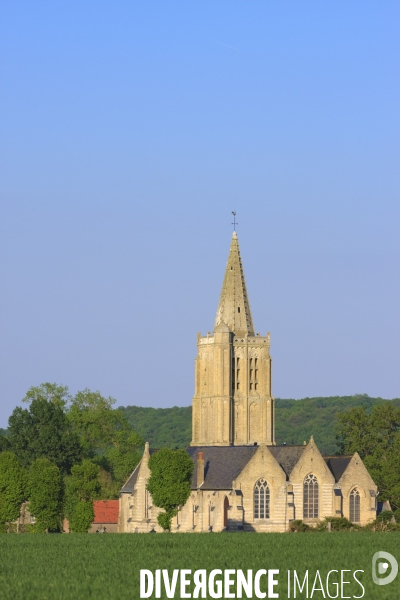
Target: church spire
(234, 308)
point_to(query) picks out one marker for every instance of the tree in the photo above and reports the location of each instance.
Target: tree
(82, 517)
(43, 430)
(57, 394)
(82, 487)
(4, 443)
(376, 437)
(96, 422)
(83, 481)
(106, 436)
(45, 495)
(12, 488)
(169, 483)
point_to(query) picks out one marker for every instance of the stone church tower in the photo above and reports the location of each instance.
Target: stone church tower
(241, 479)
(233, 404)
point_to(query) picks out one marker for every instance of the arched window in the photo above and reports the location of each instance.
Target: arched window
(261, 500)
(310, 497)
(355, 506)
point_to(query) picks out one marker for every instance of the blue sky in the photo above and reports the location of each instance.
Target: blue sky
(131, 130)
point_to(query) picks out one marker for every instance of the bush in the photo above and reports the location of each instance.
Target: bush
(384, 522)
(341, 523)
(385, 517)
(298, 526)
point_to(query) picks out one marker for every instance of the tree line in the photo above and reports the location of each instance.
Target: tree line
(295, 421)
(60, 454)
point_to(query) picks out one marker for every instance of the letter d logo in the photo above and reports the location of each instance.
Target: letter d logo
(383, 567)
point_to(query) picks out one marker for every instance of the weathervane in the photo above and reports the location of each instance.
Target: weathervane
(234, 220)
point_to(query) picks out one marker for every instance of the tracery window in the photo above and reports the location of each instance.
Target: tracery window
(261, 500)
(355, 506)
(310, 506)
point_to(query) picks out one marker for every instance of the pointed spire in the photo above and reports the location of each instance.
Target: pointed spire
(234, 308)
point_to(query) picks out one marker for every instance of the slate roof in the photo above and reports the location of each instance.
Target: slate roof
(106, 511)
(287, 456)
(222, 464)
(337, 465)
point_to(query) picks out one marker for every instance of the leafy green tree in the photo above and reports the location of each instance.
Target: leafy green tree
(57, 394)
(83, 481)
(82, 517)
(43, 430)
(98, 424)
(169, 483)
(106, 436)
(45, 495)
(82, 487)
(12, 488)
(4, 443)
(376, 437)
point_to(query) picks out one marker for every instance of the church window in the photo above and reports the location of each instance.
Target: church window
(310, 497)
(255, 363)
(255, 386)
(261, 500)
(355, 506)
(238, 309)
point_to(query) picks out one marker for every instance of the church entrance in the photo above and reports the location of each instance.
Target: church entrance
(226, 506)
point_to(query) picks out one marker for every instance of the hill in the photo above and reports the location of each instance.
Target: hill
(162, 427)
(295, 421)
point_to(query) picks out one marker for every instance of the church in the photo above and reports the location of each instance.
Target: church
(243, 480)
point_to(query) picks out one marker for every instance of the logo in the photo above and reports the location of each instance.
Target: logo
(380, 565)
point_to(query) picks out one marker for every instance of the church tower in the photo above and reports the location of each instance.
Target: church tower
(233, 404)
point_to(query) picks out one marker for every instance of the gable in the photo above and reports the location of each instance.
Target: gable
(312, 461)
(262, 465)
(356, 473)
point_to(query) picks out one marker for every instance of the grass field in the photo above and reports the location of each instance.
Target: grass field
(107, 566)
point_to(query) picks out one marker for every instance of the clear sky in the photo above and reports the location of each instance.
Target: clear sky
(131, 130)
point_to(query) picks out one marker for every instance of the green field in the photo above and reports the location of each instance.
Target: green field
(107, 566)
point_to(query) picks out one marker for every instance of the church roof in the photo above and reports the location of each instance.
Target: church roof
(130, 483)
(106, 511)
(222, 464)
(337, 465)
(234, 308)
(287, 456)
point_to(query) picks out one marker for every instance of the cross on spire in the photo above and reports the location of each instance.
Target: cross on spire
(234, 220)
